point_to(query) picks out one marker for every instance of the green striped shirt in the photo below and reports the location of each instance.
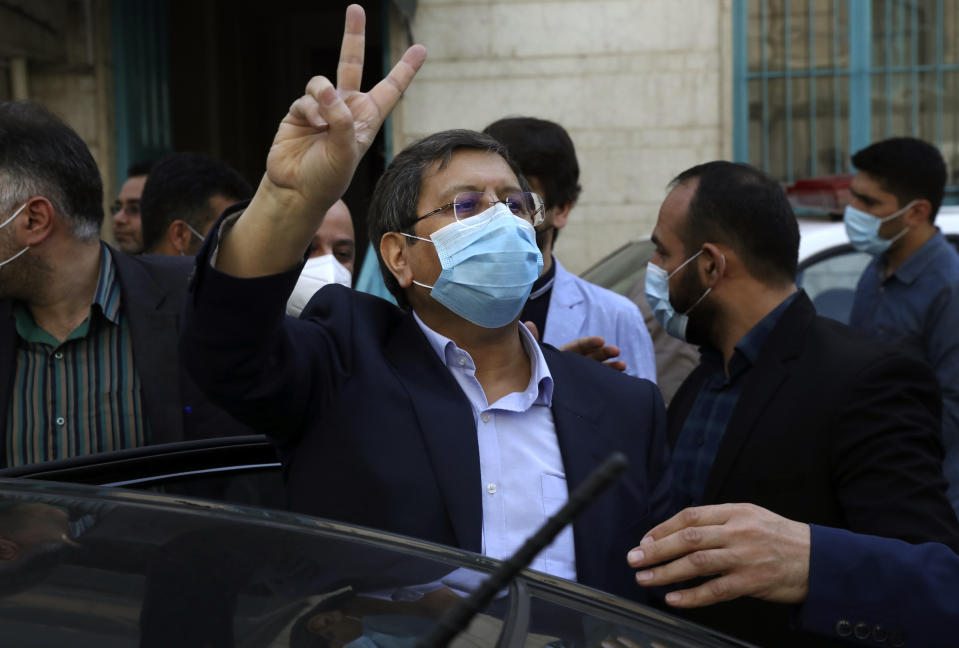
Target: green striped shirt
(82, 395)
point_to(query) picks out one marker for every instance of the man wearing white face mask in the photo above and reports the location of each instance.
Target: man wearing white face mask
(789, 411)
(442, 419)
(331, 256)
(909, 294)
(88, 334)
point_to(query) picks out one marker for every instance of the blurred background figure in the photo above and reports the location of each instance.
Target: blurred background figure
(563, 306)
(127, 231)
(184, 196)
(909, 293)
(332, 252)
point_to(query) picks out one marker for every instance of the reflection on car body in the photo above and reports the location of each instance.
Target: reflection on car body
(152, 569)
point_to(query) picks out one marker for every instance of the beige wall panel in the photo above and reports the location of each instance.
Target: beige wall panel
(641, 85)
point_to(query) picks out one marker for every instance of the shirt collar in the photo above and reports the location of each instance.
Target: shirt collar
(746, 351)
(921, 259)
(751, 343)
(540, 382)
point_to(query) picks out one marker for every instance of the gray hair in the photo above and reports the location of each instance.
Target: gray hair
(41, 156)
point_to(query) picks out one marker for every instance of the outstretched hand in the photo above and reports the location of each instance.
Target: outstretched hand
(748, 551)
(593, 347)
(313, 158)
(326, 132)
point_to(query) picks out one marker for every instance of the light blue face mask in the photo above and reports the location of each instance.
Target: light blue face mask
(490, 262)
(657, 294)
(862, 228)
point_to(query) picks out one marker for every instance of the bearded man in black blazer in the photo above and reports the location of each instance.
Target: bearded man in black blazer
(787, 410)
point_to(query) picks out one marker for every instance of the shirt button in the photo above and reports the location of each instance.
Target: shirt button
(485, 417)
(843, 628)
(461, 361)
(491, 488)
(861, 630)
(60, 420)
(58, 355)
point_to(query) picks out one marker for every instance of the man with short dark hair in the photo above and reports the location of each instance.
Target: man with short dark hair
(87, 334)
(183, 197)
(908, 296)
(561, 305)
(789, 411)
(444, 419)
(127, 229)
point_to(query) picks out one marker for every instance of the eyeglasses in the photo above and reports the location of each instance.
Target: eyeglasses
(131, 208)
(525, 204)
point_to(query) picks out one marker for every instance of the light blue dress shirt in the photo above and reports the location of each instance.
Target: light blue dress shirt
(523, 480)
(917, 309)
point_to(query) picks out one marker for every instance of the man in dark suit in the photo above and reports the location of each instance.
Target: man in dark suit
(787, 410)
(859, 588)
(87, 334)
(443, 419)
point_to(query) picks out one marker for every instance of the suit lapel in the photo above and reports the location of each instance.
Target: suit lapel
(567, 312)
(761, 384)
(583, 443)
(446, 423)
(153, 327)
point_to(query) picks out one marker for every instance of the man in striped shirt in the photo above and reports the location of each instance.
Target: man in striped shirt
(87, 334)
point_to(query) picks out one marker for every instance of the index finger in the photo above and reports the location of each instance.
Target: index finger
(349, 71)
(387, 92)
(696, 516)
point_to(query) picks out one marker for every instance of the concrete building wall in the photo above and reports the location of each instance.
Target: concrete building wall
(643, 87)
(57, 52)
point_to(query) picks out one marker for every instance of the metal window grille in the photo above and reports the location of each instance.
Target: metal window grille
(817, 80)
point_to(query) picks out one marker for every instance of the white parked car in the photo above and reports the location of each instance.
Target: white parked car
(829, 267)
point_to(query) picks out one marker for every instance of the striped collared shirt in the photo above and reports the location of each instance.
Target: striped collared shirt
(79, 396)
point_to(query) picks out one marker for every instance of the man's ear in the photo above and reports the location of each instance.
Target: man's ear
(561, 215)
(38, 224)
(179, 237)
(713, 264)
(919, 213)
(393, 246)
(9, 550)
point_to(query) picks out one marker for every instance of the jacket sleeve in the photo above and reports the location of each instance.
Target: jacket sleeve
(880, 591)
(266, 369)
(636, 344)
(887, 454)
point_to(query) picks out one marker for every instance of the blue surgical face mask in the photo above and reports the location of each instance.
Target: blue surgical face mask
(489, 262)
(862, 228)
(657, 294)
(4, 224)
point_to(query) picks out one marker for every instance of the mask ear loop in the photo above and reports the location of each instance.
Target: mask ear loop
(710, 289)
(905, 228)
(414, 236)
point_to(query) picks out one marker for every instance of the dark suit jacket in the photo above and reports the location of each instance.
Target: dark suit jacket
(374, 429)
(864, 588)
(153, 289)
(832, 429)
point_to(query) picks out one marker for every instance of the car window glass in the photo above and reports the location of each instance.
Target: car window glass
(830, 280)
(130, 569)
(622, 269)
(592, 626)
(262, 487)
